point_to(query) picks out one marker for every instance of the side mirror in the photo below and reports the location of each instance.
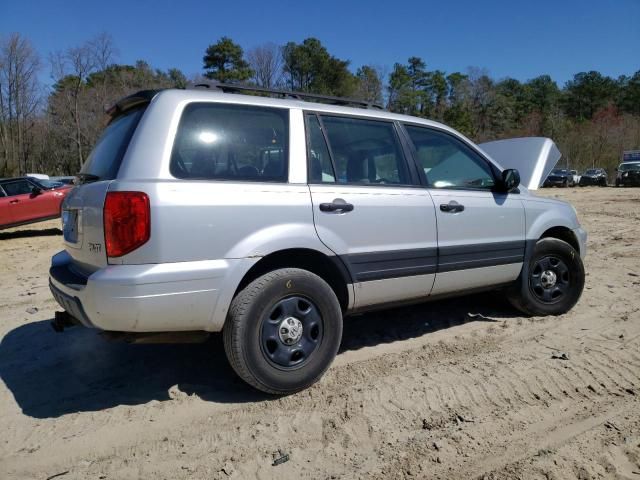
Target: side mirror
(510, 179)
(36, 191)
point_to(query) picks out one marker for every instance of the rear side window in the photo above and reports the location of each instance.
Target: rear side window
(231, 142)
(364, 151)
(106, 157)
(19, 187)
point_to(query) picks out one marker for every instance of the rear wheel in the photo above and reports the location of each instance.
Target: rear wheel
(283, 331)
(551, 282)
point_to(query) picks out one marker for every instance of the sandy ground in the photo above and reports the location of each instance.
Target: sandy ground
(420, 392)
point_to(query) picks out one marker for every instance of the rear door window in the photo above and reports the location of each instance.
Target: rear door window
(218, 141)
(106, 157)
(365, 151)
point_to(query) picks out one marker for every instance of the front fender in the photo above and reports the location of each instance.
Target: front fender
(544, 214)
(545, 221)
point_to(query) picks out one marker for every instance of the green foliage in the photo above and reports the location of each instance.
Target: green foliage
(223, 61)
(309, 67)
(543, 94)
(629, 94)
(587, 93)
(369, 84)
(406, 88)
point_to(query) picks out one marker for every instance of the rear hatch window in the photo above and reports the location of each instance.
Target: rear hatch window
(105, 159)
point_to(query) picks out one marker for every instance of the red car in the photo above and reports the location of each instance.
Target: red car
(24, 200)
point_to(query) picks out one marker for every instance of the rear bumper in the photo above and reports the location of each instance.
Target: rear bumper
(142, 298)
(71, 304)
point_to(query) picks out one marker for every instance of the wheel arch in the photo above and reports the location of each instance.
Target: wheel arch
(329, 268)
(562, 233)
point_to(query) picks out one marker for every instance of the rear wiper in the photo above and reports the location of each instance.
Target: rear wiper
(87, 177)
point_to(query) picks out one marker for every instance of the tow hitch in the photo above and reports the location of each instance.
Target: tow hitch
(62, 320)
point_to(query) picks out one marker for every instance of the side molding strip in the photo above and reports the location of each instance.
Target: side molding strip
(403, 263)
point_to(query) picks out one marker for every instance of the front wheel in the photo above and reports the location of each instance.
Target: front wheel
(283, 331)
(551, 282)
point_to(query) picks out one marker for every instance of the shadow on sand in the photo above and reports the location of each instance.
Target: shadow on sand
(47, 232)
(52, 374)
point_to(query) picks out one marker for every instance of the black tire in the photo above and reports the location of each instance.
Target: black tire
(252, 332)
(530, 296)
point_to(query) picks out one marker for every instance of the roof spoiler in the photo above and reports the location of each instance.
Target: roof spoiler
(127, 103)
(533, 157)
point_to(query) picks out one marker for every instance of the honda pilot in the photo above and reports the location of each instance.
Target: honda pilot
(272, 219)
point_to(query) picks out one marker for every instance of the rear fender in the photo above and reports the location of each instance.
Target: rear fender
(252, 249)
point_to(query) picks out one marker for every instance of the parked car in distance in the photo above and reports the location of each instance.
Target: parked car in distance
(272, 219)
(594, 176)
(559, 177)
(576, 177)
(628, 174)
(26, 200)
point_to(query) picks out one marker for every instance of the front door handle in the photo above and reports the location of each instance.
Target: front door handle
(337, 206)
(14, 201)
(451, 207)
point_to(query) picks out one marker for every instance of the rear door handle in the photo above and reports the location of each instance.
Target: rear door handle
(337, 206)
(14, 201)
(451, 207)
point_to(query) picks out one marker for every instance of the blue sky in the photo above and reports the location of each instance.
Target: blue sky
(521, 39)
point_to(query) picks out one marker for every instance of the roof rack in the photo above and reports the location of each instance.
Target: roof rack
(231, 88)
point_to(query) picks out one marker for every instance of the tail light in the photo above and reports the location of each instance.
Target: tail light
(127, 222)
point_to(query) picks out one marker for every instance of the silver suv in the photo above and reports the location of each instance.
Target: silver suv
(272, 219)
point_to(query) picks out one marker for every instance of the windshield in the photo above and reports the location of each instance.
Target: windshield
(625, 167)
(48, 183)
(592, 171)
(558, 171)
(104, 161)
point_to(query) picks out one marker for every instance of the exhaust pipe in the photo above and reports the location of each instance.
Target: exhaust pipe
(62, 320)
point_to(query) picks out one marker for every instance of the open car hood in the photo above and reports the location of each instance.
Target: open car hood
(533, 157)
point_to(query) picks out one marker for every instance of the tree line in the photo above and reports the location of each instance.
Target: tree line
(592, 117)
